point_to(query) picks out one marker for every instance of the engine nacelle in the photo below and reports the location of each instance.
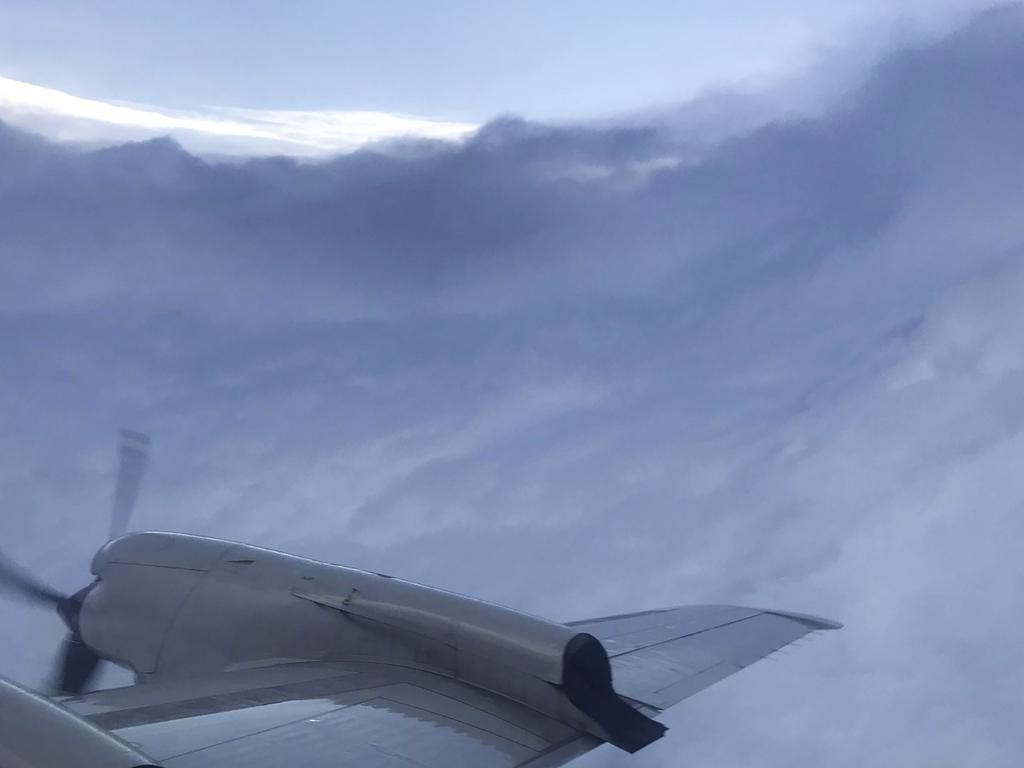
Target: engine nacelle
(177, 606)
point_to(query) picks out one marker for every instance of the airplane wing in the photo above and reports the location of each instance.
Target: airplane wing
(329, 714)
(661, 657)
(385, 716)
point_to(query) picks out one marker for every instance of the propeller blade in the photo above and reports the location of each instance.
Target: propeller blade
(77, 666)
(16, 579)
(133, 448)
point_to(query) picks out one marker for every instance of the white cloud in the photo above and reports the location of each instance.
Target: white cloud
(63, 116)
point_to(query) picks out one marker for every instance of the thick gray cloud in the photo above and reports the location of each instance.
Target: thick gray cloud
(578, 370)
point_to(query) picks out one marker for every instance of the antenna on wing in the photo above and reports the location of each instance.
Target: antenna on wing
(78, 661)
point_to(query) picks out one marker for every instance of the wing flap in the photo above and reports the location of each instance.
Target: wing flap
(378, 733)
(339, 714)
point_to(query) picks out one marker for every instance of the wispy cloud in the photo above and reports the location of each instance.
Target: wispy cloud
(64, 116)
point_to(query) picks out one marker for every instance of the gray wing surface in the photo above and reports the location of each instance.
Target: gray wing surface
(384, 716)
(659, 658)
(330, 714)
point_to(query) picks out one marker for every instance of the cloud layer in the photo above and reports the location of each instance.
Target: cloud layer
(246, 132)
(577, 370)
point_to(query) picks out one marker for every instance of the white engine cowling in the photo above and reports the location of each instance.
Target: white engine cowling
(175, 606)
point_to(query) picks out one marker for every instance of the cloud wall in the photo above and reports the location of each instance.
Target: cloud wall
(578, 370)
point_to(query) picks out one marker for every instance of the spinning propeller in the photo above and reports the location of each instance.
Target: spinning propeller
(79, 662)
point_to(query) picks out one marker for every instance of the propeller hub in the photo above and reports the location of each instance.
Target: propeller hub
(80, 661)
(70, 608)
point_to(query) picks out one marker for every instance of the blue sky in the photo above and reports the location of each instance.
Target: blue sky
(720, 352)
(467, 60)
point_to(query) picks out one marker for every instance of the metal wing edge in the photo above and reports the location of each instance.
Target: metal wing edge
(810, 620)
(814, 622)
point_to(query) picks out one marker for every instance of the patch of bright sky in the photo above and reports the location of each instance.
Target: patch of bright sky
(463, 60)
(63, 116)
